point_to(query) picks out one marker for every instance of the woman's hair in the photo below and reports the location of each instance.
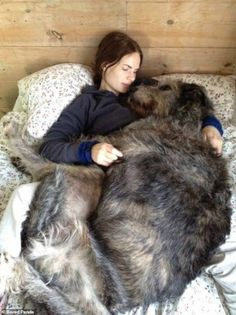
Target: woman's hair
(111, 49)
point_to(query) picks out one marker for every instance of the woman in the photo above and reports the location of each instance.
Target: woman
(95, 111)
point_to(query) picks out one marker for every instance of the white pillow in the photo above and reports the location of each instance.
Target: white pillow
(221, 90)
(44, 94)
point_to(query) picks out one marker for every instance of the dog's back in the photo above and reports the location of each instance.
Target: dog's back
(163, 212)
(166, 208)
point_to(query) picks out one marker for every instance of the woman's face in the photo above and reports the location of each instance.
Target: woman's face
(117, 78)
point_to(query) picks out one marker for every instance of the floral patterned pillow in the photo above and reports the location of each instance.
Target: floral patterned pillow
(221, 90)
(44, 94)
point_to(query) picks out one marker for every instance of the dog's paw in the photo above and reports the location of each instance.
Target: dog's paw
(7, 264)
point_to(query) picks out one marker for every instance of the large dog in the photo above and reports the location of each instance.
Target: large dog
(97, 242)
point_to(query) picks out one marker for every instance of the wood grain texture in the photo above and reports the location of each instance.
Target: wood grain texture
(8, 95)
(190, 60)
(59, 23)
(161, 1)
(175, 35)
(19, 62)
(183, 24)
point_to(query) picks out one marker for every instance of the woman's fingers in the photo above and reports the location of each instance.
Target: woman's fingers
(105, 154)
(212, 135)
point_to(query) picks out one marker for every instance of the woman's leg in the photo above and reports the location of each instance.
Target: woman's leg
(223, 271)
(13, 217)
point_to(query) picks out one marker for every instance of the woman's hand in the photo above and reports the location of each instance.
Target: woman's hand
(105, 154)
(212, 135)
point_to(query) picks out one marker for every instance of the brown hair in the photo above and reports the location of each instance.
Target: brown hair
(111, 49)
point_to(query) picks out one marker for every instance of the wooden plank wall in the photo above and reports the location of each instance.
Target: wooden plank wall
(176, 35)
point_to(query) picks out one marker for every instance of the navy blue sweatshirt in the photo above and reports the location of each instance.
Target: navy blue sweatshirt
(94, 112)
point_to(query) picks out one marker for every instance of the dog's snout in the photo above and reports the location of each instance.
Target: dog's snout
(133, 89)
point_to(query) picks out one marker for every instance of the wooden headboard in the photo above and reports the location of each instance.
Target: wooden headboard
(176, 35)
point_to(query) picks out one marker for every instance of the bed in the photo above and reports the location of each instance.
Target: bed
(41, 98)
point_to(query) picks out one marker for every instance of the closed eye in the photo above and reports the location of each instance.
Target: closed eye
(127, 69)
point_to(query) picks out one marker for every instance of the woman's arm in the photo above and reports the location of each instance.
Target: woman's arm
(72, 123)
(212, 132)
(57, 144)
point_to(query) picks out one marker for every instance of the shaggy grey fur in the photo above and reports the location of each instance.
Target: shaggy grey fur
(163, 211)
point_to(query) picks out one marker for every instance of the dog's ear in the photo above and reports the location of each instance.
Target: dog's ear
(196, 94)
(205, 100)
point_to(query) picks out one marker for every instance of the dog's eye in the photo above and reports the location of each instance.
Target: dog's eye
(165, 87)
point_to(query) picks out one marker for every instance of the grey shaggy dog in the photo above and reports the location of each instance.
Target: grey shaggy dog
(101, 241)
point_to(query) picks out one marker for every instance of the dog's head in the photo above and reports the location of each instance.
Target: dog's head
(171, 97)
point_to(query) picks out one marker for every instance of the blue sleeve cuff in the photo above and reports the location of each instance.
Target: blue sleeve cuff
(214, 122)
(84, 152)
